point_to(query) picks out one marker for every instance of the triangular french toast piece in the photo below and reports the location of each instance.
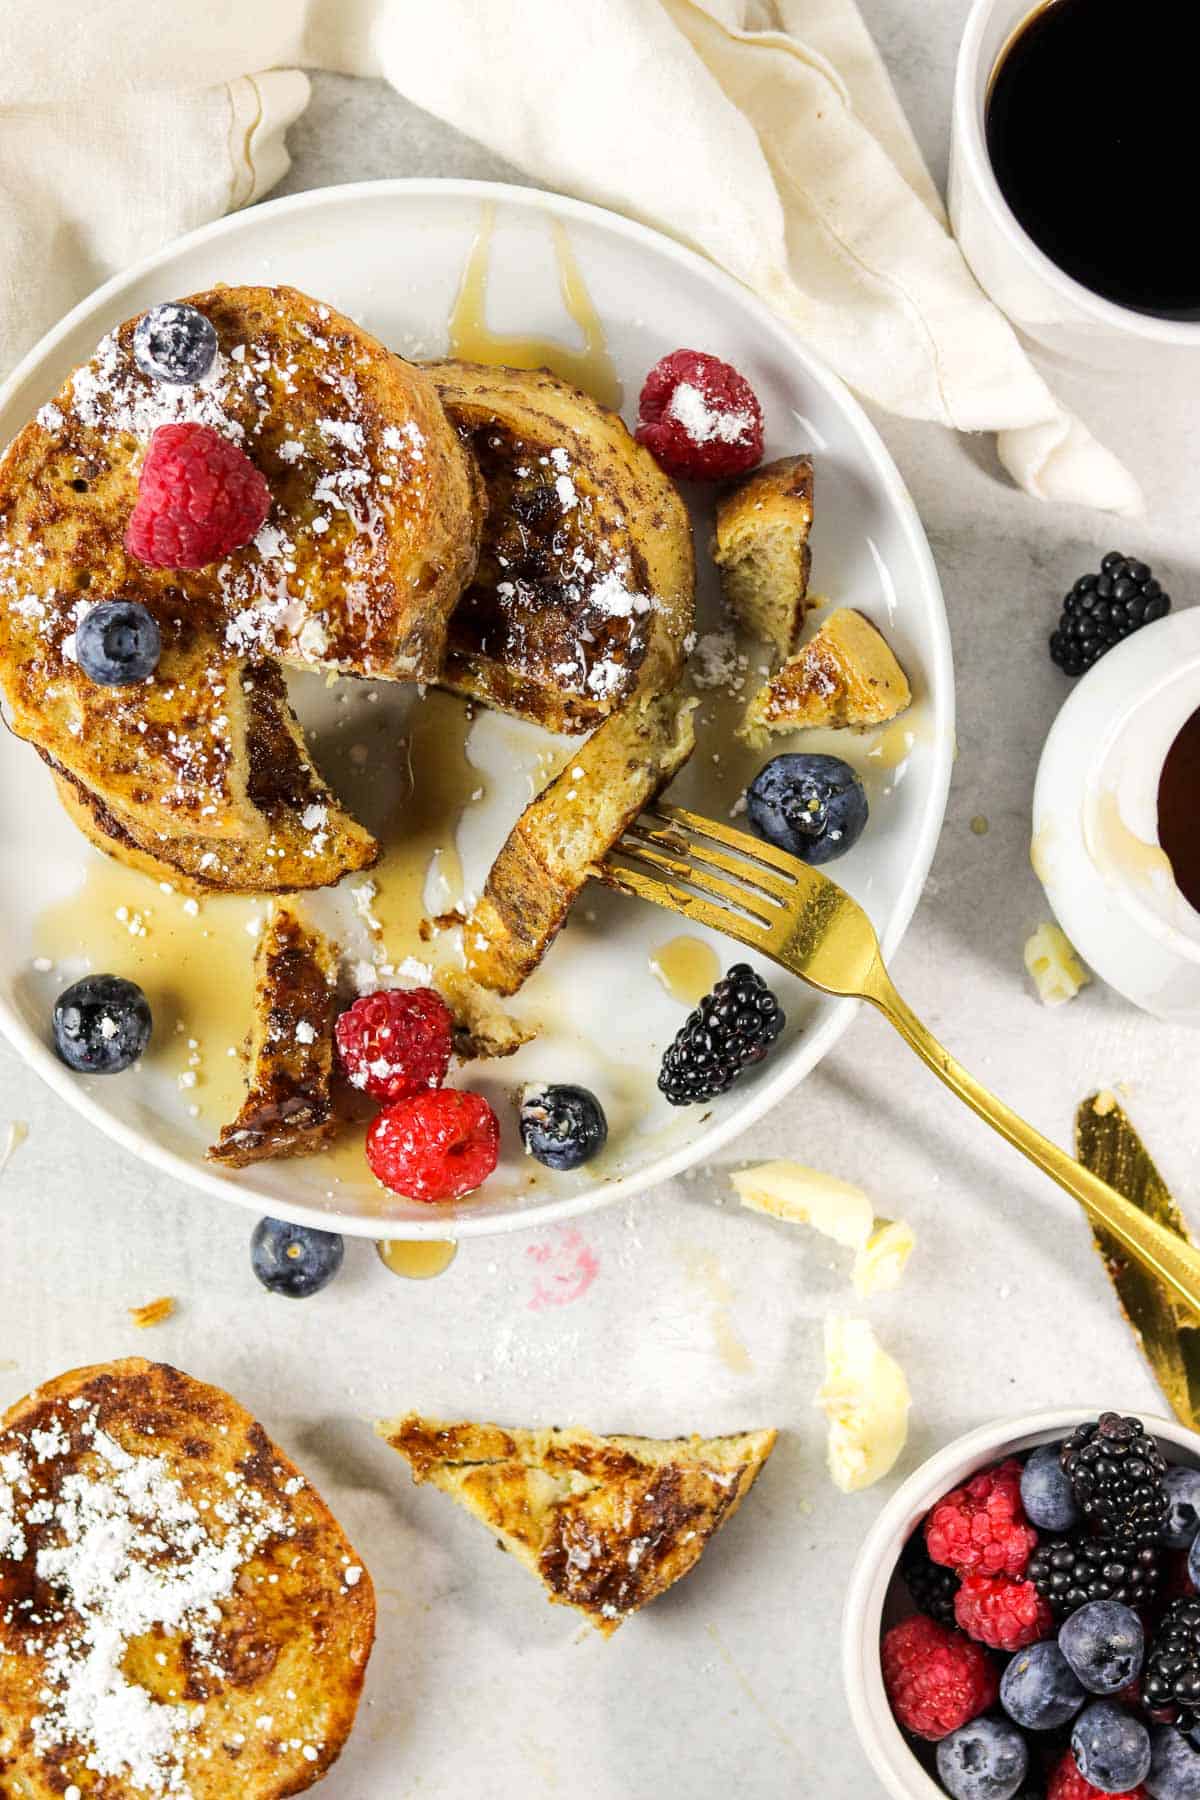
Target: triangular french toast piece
(289, 1105)
(846, 675)
(373, 532)
(566, 831)
(606, 1523)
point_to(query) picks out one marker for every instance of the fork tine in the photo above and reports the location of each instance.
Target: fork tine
(759, 906)
(753, 848)
(701, 912)
(754, 875)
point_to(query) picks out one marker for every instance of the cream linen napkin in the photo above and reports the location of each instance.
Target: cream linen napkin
(764, 132)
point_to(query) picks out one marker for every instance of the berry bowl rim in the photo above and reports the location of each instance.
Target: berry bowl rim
(884, 1744)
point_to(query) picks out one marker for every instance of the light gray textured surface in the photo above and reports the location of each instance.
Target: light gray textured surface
(730, 1683)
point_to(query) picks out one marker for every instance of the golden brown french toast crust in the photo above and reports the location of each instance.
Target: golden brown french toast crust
(289, 1108)
(372, 532)
(157, 1549)
(607, 1523)
(584, 588)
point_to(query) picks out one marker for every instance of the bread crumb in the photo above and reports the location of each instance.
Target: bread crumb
(1056, 970)
(155, 1312)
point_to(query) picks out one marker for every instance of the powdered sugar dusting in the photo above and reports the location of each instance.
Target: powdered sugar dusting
(125, 1552)
(703, 423)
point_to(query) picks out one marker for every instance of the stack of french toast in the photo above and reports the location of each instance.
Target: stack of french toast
(494, 531)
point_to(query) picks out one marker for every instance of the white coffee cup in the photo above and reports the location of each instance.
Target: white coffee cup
(1023, 281)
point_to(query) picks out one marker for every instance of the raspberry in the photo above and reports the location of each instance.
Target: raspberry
(980, 1529)
(1066, 1783)
(199, 497)
(396, 1043)
(699, 418)
(435, 1146)
(936, 1679)
(1005, 1615)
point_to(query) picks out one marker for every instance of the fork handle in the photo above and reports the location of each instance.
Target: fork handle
(1167, 1255)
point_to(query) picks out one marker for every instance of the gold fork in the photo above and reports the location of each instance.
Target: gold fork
(802, 920)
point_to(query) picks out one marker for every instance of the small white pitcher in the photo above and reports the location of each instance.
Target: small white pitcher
(1095, 819)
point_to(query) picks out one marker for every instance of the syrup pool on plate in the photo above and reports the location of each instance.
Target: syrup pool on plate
(687, 967)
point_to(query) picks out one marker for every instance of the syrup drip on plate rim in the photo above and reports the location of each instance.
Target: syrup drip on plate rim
(472, 339)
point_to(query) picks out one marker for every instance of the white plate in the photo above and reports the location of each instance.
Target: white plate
(391, 255)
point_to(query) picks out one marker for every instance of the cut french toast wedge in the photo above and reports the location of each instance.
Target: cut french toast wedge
(585, 585)
(607, 1524)
(761, 548)
(182, 1614)
(567, 830)
(289, 1105)
(845, 676)
(372, 534)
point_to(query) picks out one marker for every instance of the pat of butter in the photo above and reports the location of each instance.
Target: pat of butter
(787, 1190)
(865, 1398)
(1057, 972)
(881, 1261)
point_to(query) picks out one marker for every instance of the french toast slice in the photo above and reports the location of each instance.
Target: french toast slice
(289, 1105)
(584, 590)
(180, 1613)
(565, 832)
(313, 841)
(372, 534)
(606, 1523)
(760, 546)
(846, 675)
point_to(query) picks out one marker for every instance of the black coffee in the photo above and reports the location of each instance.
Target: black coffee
(1093, 129)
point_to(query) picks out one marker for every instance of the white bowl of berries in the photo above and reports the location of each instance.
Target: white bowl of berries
(1023, 1620)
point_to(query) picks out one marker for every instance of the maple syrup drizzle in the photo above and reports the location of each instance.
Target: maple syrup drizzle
(418, 1259)
(687, 967)
(473, 340)
(193, 959)
(1124, 850)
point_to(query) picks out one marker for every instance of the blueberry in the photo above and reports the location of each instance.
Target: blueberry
(174, 342)
(294, 1259)
(102, 1024)
(814, 806)
(1193, 1563)
(1174, 1765)
(1183, 1519)
(1046, 1492)
(1111, 1747)
(1103, 1642)
(985, 1760)
(562, 1126)
(117, 643)
(1039, 1688)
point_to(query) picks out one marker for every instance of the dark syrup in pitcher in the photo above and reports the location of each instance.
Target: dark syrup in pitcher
(1179, 810)
(1093, 130)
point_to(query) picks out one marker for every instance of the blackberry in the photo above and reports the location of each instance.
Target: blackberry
(1171, 1678)
(931, 1588)
(732, 1028)
(1102, 609)
(1068, 1572)
(1117, 1474)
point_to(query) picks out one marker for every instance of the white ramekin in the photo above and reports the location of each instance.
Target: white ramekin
(1095, 842)
(1020, 278)
(886, 1747)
